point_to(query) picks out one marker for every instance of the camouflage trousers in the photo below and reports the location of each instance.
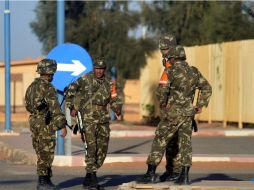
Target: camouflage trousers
(173, 156)
(44, 149)
(97, 138)
(43, 140)
(165, 133)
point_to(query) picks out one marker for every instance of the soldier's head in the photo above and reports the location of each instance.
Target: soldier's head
(47, 68)
(99, 67)
(166, 43)
(180, 53)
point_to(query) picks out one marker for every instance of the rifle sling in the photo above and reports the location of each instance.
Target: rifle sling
(88, 101)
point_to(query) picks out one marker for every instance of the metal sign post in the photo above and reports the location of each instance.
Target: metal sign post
(7, 58)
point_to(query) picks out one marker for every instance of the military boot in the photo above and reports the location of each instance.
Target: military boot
(90, 181)
(149, 176)
(43, 184)
(49, 179)
(183, 178)
(169, 176)
(87, 180)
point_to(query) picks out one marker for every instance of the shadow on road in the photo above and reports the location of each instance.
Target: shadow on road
(106, 181)
(124, 150)
(116, 180)
(215, 177)
(71, 183)
(13, 182)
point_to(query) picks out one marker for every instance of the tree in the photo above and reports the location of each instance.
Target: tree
(101, 27)
(198, 22)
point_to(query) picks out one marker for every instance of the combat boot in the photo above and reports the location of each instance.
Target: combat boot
(183, 178)
(87, 180)
(149, 176)
(169, 176)
(90, 181)
(43, 184)
(49, 179)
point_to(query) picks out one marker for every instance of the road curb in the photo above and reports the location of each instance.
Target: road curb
(20, 156)
(200, 133)
(79, 160)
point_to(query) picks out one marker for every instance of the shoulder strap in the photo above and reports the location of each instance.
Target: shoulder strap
(93, 96)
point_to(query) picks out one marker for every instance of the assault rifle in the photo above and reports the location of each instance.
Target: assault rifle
(194, 123)
(79, 127)
(44, 106)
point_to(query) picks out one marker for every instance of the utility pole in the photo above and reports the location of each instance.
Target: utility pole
(7, 58)
(60, 40)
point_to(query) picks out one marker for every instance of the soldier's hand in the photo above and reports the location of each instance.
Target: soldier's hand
(118, 114)
(198, 110)
(63, 132)
(73, 112)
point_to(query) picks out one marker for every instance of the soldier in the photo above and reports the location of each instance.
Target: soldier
(45, 119)
(183, 81)
(96, 92)
(166, 44)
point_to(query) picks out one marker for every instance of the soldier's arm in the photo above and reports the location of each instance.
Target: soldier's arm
(116, 102)
(162, 90)
(71, 92)
(58, 118)
(205, 92)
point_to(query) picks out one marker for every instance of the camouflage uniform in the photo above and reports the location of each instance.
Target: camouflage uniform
(45, 117)
(172, 150)
(96, 116)
(183, 81)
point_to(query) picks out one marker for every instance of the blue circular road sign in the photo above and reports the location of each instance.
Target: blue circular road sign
(72, 62)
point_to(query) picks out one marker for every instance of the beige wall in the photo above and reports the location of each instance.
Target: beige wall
(228, 67)
(132, 92)
(149, 79)
(26, 69)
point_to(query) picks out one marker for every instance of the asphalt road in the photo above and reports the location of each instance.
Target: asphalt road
(201, 145)
(22, 177)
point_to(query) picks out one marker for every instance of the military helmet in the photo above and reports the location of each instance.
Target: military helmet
(167, 42)
(171, 53)
(99, 63)
(46, 66)
(180, 53)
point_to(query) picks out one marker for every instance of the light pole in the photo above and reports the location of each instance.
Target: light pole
(7, 58)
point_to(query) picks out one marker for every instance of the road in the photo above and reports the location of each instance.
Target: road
(16, 177)
(201, 145)
(22, 177)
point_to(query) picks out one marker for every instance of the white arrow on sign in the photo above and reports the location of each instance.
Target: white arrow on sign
(76, 67)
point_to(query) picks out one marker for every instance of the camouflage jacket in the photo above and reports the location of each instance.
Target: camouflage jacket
(183, 82)
(39, 91)
(92, 97)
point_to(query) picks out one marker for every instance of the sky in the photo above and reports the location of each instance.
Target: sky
(24, 43)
